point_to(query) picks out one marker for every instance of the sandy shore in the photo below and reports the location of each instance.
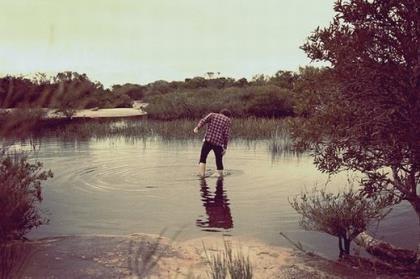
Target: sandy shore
(136, 110)
(99, 113)
(104, 256)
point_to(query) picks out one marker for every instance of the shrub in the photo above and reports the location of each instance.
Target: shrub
(344, 215)
(20, 195)
(260, 101)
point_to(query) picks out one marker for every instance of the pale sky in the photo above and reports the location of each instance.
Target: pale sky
(118, 41)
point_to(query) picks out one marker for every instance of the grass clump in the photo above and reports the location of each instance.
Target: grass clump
(13, 258)
(229, 264)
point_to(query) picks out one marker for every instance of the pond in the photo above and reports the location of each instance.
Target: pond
(123, 186)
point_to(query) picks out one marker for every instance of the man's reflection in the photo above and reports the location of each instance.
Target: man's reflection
(217, 207)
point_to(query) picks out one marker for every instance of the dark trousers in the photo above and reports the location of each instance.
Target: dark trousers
(218, 153)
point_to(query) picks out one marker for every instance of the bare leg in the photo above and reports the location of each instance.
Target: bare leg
(202, 169)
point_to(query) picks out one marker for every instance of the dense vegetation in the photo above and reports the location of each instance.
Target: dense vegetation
(263, 96)
(368, 119)
(259, 101)
(68, 90)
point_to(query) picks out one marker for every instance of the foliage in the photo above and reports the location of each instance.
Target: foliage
(263, 96)
(262, 101)
(313, 87)
(369, 121)
(19, 122)
(134, 91)
(20, 195)
(67, 91)
(344, 215)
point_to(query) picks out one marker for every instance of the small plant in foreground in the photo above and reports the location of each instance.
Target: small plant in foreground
(13, 258)
(344, 215)
(20, 195)
(228, 262)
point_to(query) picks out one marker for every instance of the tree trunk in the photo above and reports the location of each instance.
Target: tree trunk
(347, 245)
(415, 203)
(340, 247)
(384, 250)
(418, 237)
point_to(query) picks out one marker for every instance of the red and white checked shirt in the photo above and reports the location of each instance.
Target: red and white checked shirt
(218, 129)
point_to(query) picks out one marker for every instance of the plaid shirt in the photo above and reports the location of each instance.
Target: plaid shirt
(218, 129)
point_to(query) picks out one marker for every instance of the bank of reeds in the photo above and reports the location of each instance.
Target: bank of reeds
(242, 128)
(271, 130)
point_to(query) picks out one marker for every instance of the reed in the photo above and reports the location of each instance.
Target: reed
(242, 128)
(274, 132)
(229, 263)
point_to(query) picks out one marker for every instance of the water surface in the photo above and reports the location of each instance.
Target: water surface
(121, 186)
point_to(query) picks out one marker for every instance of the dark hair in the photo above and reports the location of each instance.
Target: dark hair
(226, 112)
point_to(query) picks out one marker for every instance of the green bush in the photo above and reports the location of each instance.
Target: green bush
(20, 195)
(260, 101)
(344, 215)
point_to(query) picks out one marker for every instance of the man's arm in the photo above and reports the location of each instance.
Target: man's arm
(202, 122)
(226, 135)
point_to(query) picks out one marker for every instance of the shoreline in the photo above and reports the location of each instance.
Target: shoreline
(112, 256)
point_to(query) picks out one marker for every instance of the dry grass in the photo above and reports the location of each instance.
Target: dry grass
(229, 263)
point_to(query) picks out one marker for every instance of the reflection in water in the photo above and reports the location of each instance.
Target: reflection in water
(217, 208)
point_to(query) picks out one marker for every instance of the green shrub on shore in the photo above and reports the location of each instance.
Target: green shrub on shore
(344, 215)
(259, 101)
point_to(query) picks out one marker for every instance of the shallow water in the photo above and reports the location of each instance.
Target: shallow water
(119, 186)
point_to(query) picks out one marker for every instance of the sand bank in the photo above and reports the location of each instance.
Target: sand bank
(136, 110)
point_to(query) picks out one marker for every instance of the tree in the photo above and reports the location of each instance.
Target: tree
(370, 122)
(284, 79)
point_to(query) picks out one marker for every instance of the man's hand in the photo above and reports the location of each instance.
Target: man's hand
(195, 130)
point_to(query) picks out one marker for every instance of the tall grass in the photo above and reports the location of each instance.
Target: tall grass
(273, 131)
(227, 262)
(144, 257)
(13, 258)
(242, 128)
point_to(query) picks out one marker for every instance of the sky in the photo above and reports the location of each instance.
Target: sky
(140, 41)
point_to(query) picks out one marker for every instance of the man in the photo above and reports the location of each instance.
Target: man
(216, 139)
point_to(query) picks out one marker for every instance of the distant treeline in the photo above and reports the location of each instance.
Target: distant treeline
(263, 96)
(67, 90)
